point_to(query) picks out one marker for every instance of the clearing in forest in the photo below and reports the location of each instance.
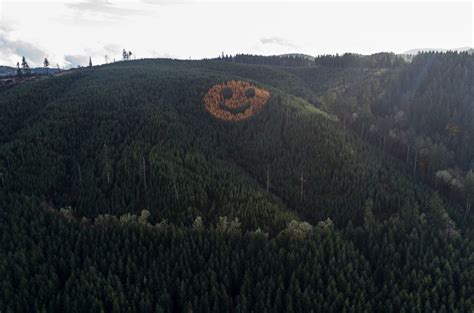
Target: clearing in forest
(235, 100)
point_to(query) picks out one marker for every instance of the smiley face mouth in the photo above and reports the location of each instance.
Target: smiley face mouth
(235, 110)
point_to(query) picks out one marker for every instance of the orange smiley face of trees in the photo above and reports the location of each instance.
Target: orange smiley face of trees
(235, 100)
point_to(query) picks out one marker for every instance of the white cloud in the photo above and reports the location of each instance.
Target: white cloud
(101, 10)
(112, 49)
(278, 41)
(11, 51)
(75, 60)
(168, 2)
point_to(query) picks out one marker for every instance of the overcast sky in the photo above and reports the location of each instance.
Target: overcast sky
(68, 32)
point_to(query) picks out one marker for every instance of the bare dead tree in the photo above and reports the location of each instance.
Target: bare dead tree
(107, 163)
(344, 131)
(414, 164)
(175, 187)
(79, 173)
(268, 179)
(468, 208)
(302, 180)
(144, 173)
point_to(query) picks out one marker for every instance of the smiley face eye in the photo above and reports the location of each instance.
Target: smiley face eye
(227, 93)
(250, 92)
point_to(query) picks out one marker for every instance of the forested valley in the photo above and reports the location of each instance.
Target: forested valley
(349, 190)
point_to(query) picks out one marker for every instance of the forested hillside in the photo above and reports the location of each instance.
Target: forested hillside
(423, 111)
(121, 192)
(420, 111)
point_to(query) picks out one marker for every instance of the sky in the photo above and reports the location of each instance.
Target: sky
(69, 32)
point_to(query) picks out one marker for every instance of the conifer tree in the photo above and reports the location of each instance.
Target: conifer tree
(25, 68)
(46, 65)
(18, 70)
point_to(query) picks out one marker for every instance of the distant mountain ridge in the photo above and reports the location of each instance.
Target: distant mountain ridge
(420, 50)
(8, 70)
(299, 55)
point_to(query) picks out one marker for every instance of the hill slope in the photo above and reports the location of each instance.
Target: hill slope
(110, 125)
(420, 111)
(117, 141)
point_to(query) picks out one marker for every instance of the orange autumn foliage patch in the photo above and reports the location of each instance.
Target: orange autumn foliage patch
(242, 104)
